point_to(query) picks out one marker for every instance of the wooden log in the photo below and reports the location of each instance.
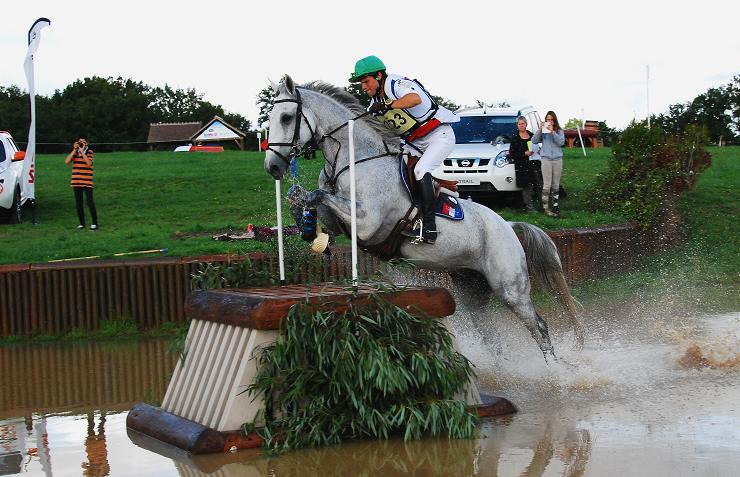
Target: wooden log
(494, 406)
(265, 308)
(186, 434)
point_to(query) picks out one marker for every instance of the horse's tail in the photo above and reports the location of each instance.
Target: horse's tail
(544, 266)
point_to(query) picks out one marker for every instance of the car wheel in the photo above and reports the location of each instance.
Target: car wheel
(15, 209)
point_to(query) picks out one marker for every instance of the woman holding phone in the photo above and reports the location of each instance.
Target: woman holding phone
(552, 138)
(520, 151)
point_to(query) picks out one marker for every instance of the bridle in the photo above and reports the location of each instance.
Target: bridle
(313, 143)
(300, 116)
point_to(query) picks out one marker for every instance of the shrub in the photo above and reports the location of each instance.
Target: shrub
(647, 172)
(368, 372)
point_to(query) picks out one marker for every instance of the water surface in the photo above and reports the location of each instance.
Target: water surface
(654, 392)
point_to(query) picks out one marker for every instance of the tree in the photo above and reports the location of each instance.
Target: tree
(265, 99)
(452, 106)
(108, 110)
(717, 110)
(14, 112)
(573, 123)
(499, 104)
(609, 136)
(733, 90)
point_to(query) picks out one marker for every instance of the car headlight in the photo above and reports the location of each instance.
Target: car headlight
(501, 159)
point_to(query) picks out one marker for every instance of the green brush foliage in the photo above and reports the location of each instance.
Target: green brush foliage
(648, 172)
(369, 372)
(235, 274)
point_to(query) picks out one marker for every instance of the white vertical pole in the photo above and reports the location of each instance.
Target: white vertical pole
(259, 140)
(647, 91)
(353, 198)
(279, 207)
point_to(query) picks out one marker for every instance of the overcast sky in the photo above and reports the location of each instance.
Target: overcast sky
(589, 56)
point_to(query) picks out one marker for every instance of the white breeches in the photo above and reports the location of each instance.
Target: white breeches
(435, 148)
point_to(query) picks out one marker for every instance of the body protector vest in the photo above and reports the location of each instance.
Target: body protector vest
(404, 122)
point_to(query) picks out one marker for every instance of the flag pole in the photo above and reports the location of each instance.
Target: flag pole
(29, 163)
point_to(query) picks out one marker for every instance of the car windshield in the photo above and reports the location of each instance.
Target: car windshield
(480, 129)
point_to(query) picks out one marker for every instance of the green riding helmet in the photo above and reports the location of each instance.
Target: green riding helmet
(365, 66)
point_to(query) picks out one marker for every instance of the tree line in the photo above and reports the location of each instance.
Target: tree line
(717, 110)
(114, 113)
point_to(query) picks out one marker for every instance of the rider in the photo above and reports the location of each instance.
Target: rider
(411, 112)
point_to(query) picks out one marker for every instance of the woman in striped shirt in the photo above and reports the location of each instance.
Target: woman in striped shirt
(81, 158)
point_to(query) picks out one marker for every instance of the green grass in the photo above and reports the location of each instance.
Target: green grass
(148, 201)
(178, 201)
(119, 329)
(705, 272)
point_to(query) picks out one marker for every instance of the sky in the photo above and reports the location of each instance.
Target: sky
(580, 59)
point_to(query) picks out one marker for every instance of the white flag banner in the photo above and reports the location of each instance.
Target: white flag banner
(34, 36)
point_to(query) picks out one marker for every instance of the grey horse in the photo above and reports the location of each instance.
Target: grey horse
(482, 252)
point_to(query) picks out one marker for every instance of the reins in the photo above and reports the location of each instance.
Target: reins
(314, 143)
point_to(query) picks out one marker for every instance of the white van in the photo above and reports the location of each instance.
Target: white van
(479, 160)
(11, 178)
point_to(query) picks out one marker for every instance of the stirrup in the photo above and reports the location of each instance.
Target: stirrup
(416, 233)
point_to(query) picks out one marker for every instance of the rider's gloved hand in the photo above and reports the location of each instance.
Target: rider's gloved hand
(378, 107)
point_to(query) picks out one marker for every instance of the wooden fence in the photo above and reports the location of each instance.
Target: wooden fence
(40, 299)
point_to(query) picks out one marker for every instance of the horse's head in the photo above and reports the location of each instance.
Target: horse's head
(291, 128)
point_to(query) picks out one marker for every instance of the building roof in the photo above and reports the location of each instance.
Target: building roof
(217, 129)
(172, 132)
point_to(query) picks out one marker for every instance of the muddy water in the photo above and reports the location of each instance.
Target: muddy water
(652, 393)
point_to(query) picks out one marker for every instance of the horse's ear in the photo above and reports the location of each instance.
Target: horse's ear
(289, 84)
(275, 87)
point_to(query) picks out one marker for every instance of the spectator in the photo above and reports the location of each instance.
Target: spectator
(81, 157)
(552, 137)
(520, 151)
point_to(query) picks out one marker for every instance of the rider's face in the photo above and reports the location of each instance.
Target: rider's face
(370, 85)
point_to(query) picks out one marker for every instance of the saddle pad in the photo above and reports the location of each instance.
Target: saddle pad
(448, 207)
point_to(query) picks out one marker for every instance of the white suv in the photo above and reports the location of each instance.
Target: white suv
(478, 162)
(11, 179)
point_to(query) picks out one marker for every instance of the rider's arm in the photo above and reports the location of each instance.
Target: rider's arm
(406, 101)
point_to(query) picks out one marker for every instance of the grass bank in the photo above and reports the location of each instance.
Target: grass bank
(704, 274)
(155, 200)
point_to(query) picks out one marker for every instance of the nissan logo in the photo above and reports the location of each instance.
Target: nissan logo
(465, 163)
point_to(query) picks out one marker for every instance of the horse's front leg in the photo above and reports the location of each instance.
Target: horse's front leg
(340, 207)
(297, 198)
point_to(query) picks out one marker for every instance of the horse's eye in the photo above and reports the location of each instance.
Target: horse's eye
(286, 118)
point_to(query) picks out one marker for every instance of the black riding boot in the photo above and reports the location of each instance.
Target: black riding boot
(428, 202)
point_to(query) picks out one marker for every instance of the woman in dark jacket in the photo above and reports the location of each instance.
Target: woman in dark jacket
(520, 150)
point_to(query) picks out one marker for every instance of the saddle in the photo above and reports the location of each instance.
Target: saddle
(409, 179)
(447, 206)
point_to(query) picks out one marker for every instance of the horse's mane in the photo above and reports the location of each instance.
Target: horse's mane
(350, 102)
